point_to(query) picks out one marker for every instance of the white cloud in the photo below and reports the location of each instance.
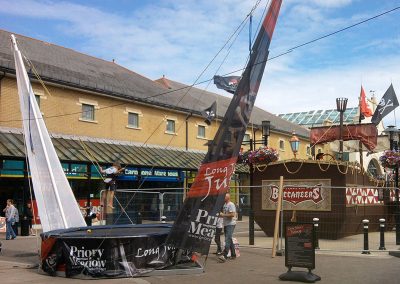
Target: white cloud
(178, 39)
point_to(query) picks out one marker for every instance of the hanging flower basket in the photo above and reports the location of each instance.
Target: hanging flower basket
(390, 159)
(264, 155)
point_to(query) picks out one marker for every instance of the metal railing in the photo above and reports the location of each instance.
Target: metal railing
(340, 212)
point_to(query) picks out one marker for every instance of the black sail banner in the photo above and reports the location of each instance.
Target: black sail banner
(194, 227)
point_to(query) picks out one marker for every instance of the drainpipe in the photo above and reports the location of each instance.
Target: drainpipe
(187, 130)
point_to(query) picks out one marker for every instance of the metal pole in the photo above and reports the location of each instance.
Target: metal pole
(316, 241)
(397, 212)
(341, 137)
(251, 212)
(366, 246)
(382, 234)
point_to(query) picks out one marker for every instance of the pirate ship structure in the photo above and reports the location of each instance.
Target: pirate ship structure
(340, 194)
(71, 249)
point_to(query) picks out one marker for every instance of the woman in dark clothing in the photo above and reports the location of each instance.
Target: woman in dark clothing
(28, 215)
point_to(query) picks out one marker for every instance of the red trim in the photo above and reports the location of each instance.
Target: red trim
(272, 16)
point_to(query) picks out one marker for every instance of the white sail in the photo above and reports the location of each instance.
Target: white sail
(57, 206)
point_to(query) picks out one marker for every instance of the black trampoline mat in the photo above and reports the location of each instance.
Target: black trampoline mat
(110, 231)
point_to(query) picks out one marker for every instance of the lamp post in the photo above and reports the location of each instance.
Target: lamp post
(265, 128)
(391, 131)
(341, 104)
(294, 144)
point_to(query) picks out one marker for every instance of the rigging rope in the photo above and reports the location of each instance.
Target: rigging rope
(235, 71)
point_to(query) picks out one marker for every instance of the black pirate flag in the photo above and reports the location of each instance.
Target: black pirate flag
(386, 105)
(210, 113)
(228, 83)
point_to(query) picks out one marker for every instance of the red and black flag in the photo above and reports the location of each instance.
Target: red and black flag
(227, 83)
(194, 227)
(387, 104)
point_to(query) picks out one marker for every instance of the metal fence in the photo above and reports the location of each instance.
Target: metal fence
(340, 212)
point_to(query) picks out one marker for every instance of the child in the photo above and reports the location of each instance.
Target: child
(111, 182)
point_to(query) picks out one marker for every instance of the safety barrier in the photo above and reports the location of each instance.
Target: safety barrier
(337, 213)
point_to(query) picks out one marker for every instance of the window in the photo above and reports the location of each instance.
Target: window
(246, 138)
(281, 144)
(87, 112)
(133, 120)
(37, 97)
(308, 150)
(201, 131)
(170, 126)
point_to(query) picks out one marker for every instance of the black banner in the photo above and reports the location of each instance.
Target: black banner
(387, 104)
(101, 256)
(195, 225)
(299, 245)
(210, 113)
(227, 83)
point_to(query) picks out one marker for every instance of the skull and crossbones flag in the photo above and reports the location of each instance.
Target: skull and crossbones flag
(210, 113)
(388, 103)
(227, 83)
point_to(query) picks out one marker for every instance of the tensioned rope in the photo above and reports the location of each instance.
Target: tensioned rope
(235, 71)
(237, 31)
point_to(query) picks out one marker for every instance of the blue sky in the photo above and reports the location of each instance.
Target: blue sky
(178, 38)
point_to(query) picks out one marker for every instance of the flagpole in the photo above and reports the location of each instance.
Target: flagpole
(359, 141)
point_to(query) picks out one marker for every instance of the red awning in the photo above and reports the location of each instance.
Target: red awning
(366, 133)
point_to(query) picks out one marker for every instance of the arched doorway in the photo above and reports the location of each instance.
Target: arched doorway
(374, 168)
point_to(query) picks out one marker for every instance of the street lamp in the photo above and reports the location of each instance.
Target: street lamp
(294, 144)
(341, 104)
(391, 131)
(266, 127)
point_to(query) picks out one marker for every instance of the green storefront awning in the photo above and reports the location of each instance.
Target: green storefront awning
(103, 151)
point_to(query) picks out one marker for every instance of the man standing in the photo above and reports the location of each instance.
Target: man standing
(11, 212)
(229, 215)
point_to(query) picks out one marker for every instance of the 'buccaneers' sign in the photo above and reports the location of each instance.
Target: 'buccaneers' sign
(304, 195)
(297, 195)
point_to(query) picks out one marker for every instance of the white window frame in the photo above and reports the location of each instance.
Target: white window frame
(198, 131)
(95, 106)
(134, 111)
(167, 119)
(137, 126)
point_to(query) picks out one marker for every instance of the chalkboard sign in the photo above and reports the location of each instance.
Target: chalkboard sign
(299, 245)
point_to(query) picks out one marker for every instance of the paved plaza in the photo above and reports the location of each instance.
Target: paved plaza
(19, 261)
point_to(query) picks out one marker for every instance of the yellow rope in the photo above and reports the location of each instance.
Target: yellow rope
(84, 147)
(338, 167)
(296, 171)
(91, 158)
(327, 168)
(264, 167)
(30, 64)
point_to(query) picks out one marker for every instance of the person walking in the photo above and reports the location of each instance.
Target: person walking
(28, 216)
(218, 233)
(10, 211)
(16, 218)
(229, 215)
